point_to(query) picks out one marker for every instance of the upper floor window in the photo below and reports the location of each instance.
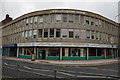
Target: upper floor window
(27, 21)
(87, 20)
(51, 32)
(52, 18)
(35, 19)
(41, 19)
(46, 20)
(70, 33)
(96, 35)
(31, 20)
(58, 17)
(64, 33)
(92, 21)
(76, 33)
(45, 33)
(82, 19)
(30, 33)
(34, 33)
(76, 18)
(96, 22)
(64, 17)
(57, 33)
(88, 34)
(92, 34)
(100, 35)
(71, 18)
(39, 33)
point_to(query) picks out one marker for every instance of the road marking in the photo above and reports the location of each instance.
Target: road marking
(35, 69)
(66, 74)
(102, 69)
(9, 64)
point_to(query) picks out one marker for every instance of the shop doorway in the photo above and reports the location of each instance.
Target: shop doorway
(43, 54)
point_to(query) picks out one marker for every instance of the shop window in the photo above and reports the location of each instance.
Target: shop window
(76, 18)
(64, 33)
(92, 34)
(35, 33)
(51, 32)
(58, 17)
(45, 33)
(64, 17)
(96, 35)
(57, 33)
(39, 33)
(52, 18)
(88, 34)
(40, 19)
(53, 52)
(70, 33)
(77, 33)
(71, 18)
(73, 52)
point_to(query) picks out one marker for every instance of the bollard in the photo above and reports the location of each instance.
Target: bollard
(55, 72)
(18, 71)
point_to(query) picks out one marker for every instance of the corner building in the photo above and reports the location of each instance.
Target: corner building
(61, 34)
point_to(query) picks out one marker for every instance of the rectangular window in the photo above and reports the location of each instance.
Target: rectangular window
(100, 24)
(64, 17)
(27, 21)
(96, 35)
(46, 18)
(58, 17)
(76, 18)
(92, 21)
(64, 33)
(52, 18)
(96, 23)
(100, 35)
(76, 33)
(92, 34)
(87, 20)
(35, 33)
(30, 33)
(57, 33)
(52, 32)
(31, 20)
(39, 33)
(22, 34)
(26, 34)
(83, 34)
(41, 19)
(35, 19)
(45, 33)
(88, 34)
(70, 33)
(71, 18)
(82, 19)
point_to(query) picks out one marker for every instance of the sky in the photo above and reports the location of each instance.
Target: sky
(16, 8)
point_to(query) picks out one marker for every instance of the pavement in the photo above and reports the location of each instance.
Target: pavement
(67, 62)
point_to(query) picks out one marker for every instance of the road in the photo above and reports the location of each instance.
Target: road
(19, 69)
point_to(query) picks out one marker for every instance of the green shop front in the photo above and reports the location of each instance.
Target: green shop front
(65, 51)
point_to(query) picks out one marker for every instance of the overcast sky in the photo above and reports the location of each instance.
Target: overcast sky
(16, 8)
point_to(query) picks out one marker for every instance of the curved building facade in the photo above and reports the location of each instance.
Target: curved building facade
(61, 34)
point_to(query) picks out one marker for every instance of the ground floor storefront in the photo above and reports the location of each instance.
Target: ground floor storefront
(58, 51)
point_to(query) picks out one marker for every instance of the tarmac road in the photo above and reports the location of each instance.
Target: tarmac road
(20, 69)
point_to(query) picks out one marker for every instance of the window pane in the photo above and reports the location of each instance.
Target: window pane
(40, 33)
(45, 33)
(64, 17)
(51, 32)
(58, 17)
(57, 33)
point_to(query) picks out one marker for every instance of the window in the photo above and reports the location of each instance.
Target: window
(52, 32)
(83, 34)
(45, 33)
(96, 35)
(87, 20)
(46, 20)
(92, 21)
(30, 33)
(58, 17)
(39, 33)
(77, 33)
(26, 34)
(35, 19)
(76, 18)
(71, 18)
(57, 33)
(100, 24)
(31, 20)
(92, 34)
(53, 52)
(88, 34)
(70, 33)
(27, 21)
(100, 35)
(22, 34)
(82, 19)
(35, 33)
(64, 17)
(52, 18)
(96, 23)
(64, 33)
(41, 19)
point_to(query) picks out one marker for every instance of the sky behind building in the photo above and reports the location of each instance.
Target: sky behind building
(16, 8)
